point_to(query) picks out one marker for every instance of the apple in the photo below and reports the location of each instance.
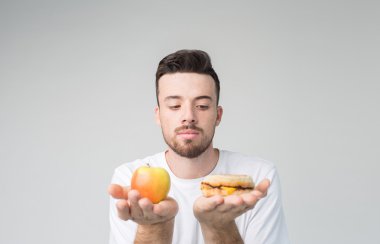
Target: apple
(151, 182)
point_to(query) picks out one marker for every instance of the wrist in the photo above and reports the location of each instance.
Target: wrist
(218, 226)
(221, 233)
(161, 232)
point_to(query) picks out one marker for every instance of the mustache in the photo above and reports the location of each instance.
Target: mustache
(188, 127)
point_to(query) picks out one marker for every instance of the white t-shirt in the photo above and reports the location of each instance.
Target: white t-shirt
(264, 224)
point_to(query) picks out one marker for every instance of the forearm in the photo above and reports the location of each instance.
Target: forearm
(218, 235)
(160, 233)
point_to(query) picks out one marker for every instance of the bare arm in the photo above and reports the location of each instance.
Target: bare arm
(160, 233)
(155, 221)
(228, 234)
(217, 214)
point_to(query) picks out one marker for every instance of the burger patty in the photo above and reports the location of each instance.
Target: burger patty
(236, 187)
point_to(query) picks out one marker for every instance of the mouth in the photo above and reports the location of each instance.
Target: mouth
(188, 134)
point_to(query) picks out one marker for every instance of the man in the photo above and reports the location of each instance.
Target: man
(187, 89)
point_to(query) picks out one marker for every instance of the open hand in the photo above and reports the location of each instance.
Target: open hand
(130, 206)
(219, 212)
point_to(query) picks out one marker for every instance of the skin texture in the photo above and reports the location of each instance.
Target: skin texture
(187, 114)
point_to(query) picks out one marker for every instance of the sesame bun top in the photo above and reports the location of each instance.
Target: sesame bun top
(229, 180)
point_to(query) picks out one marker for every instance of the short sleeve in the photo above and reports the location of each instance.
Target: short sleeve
(266, 222)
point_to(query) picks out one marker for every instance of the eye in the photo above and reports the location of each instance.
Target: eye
(202, 107)
(174, 107)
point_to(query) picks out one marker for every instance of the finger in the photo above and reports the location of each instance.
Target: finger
(123, 209)
(136, 211)
(259, 192)
(166, 208)
(118, 192)
(145, 204)
(232, 203)
(147, 208)
(263, 187)
(250, 199)
(204, 204)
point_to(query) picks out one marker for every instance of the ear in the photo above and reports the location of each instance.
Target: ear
(219, 111)
(157, 115)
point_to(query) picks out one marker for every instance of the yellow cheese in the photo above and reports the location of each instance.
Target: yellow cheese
(229, 190)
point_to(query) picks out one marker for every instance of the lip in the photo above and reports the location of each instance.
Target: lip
(188, 134)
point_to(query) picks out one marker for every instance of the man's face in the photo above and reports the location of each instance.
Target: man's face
(188, 113)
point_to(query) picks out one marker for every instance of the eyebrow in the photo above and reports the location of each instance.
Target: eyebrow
(171, 97)
(203, 97)
(179, 97)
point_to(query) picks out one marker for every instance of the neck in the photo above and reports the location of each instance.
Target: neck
(192, 168)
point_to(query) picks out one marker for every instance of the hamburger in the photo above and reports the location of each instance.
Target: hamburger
(226, 185)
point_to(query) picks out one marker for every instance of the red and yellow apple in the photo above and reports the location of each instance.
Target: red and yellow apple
(151, 182)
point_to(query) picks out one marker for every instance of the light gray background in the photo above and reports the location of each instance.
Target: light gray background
(300, 85)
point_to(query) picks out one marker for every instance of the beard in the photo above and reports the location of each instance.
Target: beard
(189, 148)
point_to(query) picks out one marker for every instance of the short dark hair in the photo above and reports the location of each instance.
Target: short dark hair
(192, 61)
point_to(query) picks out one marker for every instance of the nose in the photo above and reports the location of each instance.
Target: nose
(189, 116)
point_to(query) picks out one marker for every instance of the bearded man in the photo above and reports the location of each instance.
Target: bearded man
(188, 111)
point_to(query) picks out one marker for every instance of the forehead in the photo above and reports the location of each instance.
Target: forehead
(186, 85)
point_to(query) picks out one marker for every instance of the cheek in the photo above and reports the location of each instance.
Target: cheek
(212, 119)
(167, 125)
(169, 119)
(209, 123)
